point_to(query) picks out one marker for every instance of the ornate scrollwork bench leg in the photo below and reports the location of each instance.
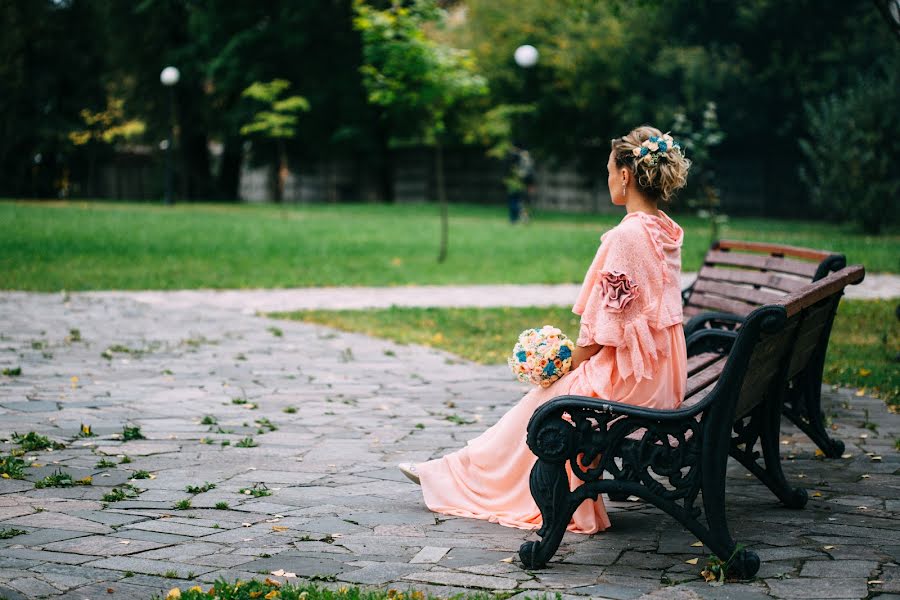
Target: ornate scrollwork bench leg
(595, 437)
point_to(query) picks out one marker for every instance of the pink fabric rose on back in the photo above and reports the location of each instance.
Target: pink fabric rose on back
(617, 290)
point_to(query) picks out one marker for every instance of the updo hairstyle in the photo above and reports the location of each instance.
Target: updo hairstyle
(657, 173)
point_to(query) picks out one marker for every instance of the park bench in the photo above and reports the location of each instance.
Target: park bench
(736, 277)
(735, 389)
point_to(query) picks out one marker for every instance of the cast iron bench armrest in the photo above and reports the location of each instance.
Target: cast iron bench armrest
(712, 320)
(710, 340)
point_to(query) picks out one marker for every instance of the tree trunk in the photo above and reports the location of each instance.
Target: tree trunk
(442, 199)
(229, 179)
(281, 172)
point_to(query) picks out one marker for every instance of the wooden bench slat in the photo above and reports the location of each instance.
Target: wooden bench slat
(765, 263)
(703, 378)
(700, 361)
(718, 303)
(775, 249)
(766, 279)
(737, 292)
(692, 311)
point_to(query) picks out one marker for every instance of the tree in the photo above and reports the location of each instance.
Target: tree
(278, 121)
(417, 80)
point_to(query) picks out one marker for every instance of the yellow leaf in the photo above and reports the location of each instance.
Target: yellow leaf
(692, 561)
(819, 453)
(708, 575)
(196, 588)
(4, 475)
(861, 392)
(697, 544)
(865, 372)
(272, 594)
(507, 560)
(817, 494)
(255, 594)
(272, 582)
(279, 528)
(174, 594)
(36, 465)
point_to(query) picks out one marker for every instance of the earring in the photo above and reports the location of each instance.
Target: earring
(623, 192)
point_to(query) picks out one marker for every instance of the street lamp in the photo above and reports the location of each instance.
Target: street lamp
(169, 77)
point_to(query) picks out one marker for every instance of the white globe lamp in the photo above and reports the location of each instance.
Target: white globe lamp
(169, 76)
(526, 56)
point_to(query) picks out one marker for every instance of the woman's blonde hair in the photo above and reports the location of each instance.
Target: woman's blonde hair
(659, 173)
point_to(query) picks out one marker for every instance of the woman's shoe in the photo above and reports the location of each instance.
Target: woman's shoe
(410, 471)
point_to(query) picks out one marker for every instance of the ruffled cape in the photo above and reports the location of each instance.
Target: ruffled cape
(631, 292)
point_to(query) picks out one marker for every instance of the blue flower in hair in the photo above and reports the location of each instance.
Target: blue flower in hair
(663, 146)
(644, 151)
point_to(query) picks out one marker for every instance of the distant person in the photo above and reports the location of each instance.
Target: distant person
(630, 346)
(519, 182)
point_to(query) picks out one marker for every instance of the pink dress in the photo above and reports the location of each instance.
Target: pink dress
(630, 303)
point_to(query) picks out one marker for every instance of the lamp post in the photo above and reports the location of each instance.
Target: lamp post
(526, 57)
(169, 77)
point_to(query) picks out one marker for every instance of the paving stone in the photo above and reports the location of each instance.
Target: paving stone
(378, 573)
(102, 546)
(149, 567)
(33, 587)
(767, 554)
(11, 594)
(824, 588)
(51, 520)
(838, 568)
(57, 557)
(429, 554)
(112, 590)
(466, 580)
(608, 590)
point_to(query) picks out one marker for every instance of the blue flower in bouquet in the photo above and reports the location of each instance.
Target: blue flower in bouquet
(541, 356)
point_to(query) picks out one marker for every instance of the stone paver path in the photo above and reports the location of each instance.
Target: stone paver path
(329, 415)
(876, 285)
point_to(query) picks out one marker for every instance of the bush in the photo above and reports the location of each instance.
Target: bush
(854, 152)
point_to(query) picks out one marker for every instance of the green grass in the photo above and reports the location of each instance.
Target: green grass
(253, 589)
(48, 246)
(9, 532)
(864, 342)
(33, 441)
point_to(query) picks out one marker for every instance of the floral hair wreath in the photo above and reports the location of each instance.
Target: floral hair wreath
(655, 147)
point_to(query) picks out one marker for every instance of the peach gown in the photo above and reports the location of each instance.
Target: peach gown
(630, 303)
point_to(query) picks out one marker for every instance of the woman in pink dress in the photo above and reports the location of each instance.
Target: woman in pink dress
(630, 345)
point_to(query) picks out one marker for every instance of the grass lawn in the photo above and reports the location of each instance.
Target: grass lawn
(864, 341)
(49, 246)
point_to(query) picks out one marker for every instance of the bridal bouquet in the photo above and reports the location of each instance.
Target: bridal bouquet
(541, 356)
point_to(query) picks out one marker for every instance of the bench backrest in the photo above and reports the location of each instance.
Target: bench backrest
(737, 276)
(776, 342)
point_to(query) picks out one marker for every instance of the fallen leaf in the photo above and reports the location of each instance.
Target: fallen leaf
(279, 528)
(272, 582)
(174, 594)
(847, 455)
(827, 547)
(819, 453)
(863, 435)
(278, 573)
(863, 507)
(817, 494)
(692, 561)
(801, 476)
(861, 392)
(290, 575)
(246, 524)
(273, 520)
(125, 542)
(864, 476)
(876, 458)
(865, 372)
(697, 544)
(875, 582)
(507, 560)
